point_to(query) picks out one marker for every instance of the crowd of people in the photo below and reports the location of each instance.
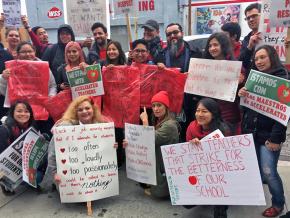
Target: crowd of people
(198, 117)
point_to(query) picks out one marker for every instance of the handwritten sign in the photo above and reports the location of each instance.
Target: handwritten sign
(86, 162)
(213, 78)
(217, 172)
(273, 35)
(124, 6)
(11, 161)
(33, 151)
(280, 13)
(268, 95)
(87, 82)
(140, 153)
(12, 13)
(82, 14)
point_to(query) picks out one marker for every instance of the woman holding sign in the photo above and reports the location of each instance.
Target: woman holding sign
(268, 134)
(81, 111)
(219, 48)
(74, 58)
(166, 133)
(208, 119)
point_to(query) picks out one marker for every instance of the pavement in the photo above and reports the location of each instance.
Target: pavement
(28, 203)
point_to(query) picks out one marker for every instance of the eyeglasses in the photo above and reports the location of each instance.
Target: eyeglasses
(253, 16)
(142, 51)
(26, 52)
(174, 32)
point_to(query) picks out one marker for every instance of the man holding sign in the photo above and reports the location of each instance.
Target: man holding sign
(268, 133)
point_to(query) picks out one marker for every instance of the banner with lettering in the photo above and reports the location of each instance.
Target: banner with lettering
(11, 161)
(28, 80)
(121, 101)
(280, 13)
(12, 13)
(154, 80)
(87, 82)
(82, 14)
(86, 162)
(272, 34)
(57, 105)
(140, 153)
(124, 6)
(268, 95)
(217, 172)
(33, 151)
(213, 78)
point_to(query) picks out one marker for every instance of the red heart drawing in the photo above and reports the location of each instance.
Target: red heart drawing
(63, 161)
(192, 180)
(62, 150)
(64, 172)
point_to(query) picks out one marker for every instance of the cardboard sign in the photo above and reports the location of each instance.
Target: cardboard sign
(28, 80)
(124, 6)
(213, 78)
(268, 95)
(88, 82)
(217, 172)
(280, 13)
(86, 162)
(273, 35)
(217, 134)
(34, 149)
(82, 14)
(121, 101)
(140, 153)
(11, 161)
(12, 13)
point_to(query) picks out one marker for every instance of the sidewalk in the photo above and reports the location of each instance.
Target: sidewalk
(130, 203)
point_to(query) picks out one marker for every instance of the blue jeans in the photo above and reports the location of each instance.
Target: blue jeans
(268, 161)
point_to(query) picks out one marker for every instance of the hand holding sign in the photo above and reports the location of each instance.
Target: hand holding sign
(144, 117)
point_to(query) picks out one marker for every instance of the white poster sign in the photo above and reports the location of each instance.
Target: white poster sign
(217, 134)
(124, 7)
(12, 13)
(217, 172)
(213, 78)
(140, 153)
(86, 162)
(280, 13)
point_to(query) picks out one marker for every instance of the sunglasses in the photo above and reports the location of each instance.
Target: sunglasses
(174, 32)
(251, 17)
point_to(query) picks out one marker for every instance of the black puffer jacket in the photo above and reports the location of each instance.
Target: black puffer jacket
(264, 128)
(55, 53)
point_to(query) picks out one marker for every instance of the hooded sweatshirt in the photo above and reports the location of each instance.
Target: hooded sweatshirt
(55, 54)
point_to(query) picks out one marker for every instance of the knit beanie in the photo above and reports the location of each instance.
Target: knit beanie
(161, 97)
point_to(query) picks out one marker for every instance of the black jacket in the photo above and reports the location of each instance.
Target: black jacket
(246, 54)
(55, 53)
(94, 54)
(264, 128)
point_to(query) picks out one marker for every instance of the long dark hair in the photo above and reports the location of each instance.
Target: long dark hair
(11, 122)
(121, 58)
(217, 121)
(226, 47)
(273, 56)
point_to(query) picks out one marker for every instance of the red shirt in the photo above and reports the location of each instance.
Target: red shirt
(103, 54)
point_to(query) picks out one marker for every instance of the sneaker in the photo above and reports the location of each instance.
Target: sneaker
(6, 191)
(272, 212)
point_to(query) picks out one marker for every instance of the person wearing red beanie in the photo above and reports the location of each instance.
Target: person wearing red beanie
(166, 133)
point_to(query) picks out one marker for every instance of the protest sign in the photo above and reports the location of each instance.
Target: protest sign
(121, 101)
(154, 80)
(33, 151)
(57, 105)
(11, 161)
(217, 134)
(87, 82)
(124, 6)
(86, 162)
(140, 153)
(82, 14)
(213, 78)
(28, 80)
(280, 13)
(12, 13)
(210, 19)
(214, 172)
(270, 34)
(268, 95)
